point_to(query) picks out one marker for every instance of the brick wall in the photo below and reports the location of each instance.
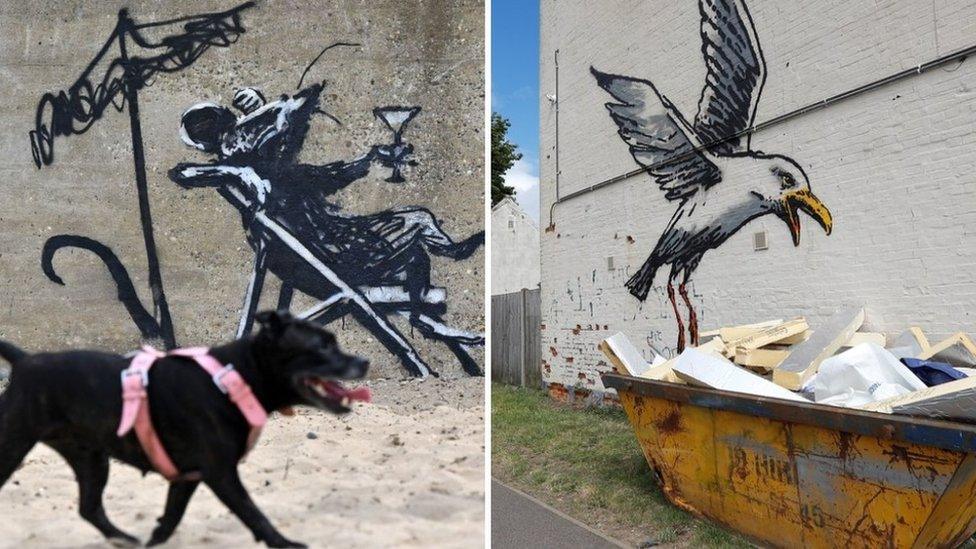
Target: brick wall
(895, 166)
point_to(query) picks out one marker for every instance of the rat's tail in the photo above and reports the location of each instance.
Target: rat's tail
(11, 353)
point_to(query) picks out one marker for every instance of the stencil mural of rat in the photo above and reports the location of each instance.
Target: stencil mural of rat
(255, 169)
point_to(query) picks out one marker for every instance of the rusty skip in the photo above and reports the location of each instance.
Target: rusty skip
(792, 474)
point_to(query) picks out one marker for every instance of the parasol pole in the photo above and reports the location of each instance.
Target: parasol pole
(131, 91)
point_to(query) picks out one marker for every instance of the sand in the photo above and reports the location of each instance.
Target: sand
(405, 471)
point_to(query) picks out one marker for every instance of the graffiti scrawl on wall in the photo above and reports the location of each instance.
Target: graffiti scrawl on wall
(708, 167)
(371, 267)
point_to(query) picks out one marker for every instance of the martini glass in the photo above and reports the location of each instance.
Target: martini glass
(397, 118)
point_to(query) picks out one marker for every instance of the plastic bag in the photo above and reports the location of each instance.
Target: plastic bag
(864, 373)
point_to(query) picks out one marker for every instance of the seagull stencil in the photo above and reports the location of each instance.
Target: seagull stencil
(719, 183)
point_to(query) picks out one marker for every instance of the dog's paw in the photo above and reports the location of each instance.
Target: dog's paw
(283, 542)
(123, 541)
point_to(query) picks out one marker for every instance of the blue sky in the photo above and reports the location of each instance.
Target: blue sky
(515, 90)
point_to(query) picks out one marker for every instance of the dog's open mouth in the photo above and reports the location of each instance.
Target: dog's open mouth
(332, 395)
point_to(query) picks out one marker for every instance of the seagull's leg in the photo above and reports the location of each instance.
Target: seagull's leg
(692, 317)
(677, 315)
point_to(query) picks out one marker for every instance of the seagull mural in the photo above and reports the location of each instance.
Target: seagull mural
(707, 166)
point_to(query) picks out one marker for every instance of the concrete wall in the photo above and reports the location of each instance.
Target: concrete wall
(895, 166)
(514, 249)
(427, 54)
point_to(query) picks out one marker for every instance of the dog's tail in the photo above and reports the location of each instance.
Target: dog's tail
(147, 324)
(11, 353)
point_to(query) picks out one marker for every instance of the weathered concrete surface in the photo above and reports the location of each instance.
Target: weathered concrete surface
(895, 167)
(426, 53)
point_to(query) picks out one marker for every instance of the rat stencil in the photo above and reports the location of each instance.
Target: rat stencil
(383, 256)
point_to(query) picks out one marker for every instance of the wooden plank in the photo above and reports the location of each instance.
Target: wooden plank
(760, 358)
(956, 350)
(806, 357)
(952, 400)
(771, 334)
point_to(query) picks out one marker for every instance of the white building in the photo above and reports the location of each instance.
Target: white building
(514, 249)
(895, 166)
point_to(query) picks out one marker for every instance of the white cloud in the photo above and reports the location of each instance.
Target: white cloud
(524, 177)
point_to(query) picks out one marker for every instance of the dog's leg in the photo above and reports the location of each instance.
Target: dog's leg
(226, 485)
(176, 501)
(253, 295)
(16, 439)
(91, 471)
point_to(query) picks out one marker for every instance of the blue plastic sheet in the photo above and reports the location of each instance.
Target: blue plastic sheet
(932, 373)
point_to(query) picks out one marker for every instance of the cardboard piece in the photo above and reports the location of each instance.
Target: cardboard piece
(953, 400)
(957, 350)
(709, 370)
(771, 334)
(796, 370)
(626, 359)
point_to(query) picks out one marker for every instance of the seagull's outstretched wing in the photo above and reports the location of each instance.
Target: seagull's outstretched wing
(736, 73)
(659, 138)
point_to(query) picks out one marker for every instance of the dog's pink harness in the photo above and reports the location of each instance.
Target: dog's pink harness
(135, 403)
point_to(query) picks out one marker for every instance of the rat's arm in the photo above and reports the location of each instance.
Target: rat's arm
(335, 176)
(215, 175)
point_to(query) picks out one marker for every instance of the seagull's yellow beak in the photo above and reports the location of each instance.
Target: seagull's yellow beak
(804, 200)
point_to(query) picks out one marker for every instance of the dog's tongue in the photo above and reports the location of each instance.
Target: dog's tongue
(359, 393)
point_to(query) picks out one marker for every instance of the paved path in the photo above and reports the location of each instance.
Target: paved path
(519, 521)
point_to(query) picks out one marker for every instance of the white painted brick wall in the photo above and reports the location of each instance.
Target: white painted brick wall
(896, 167)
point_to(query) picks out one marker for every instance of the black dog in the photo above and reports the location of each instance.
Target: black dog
(72, 402)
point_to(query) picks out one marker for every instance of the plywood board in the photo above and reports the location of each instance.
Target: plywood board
(823, 343)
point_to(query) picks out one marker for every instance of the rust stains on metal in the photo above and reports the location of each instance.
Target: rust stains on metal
(671, 423)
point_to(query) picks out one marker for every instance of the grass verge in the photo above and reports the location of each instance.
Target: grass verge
(587, 463)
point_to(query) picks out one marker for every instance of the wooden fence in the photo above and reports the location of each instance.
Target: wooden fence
(515, 353)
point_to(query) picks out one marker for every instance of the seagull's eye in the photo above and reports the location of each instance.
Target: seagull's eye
(787, 181)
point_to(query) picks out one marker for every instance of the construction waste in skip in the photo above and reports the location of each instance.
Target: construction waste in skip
(811, 436)
(832, 364)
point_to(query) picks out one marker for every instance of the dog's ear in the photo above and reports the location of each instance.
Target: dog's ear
(274, 321)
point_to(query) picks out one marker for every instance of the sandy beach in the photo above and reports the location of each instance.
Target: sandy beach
(405, 471)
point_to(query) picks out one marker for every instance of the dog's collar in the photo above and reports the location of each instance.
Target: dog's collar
(135, 409)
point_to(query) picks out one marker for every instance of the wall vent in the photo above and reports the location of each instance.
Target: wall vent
(759, 242)
(610, 263)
